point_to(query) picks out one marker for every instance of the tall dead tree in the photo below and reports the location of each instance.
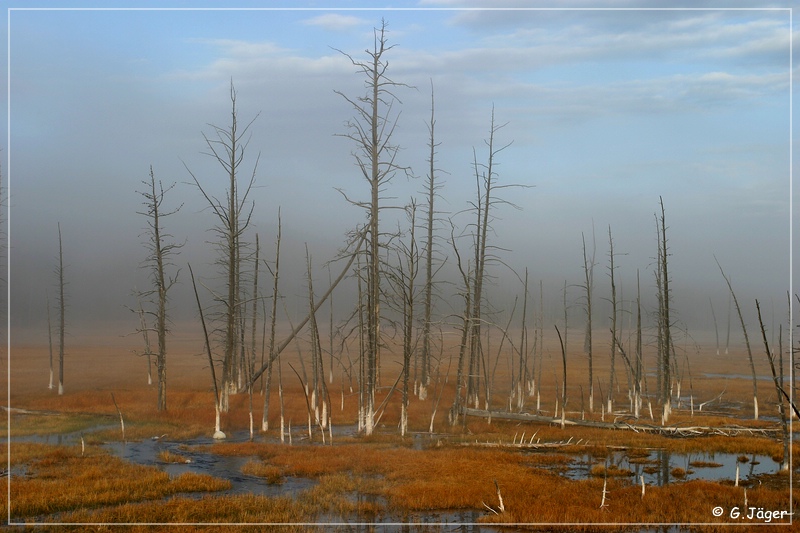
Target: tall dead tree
(486, 183)
(228, 148)
(407, 275)
(371, 130)
(62, 306)
(664, 324)
(431, 187)
(273, 316)
(455, 410)
(613, 323)
(588, 271)
(523, 377)
(160, 251)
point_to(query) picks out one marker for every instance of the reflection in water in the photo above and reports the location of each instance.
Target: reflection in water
(660, 467)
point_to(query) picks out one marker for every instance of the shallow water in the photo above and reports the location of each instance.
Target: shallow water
(203, 462)
(657, 467)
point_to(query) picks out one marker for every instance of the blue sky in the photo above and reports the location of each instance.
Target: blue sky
(606, 111)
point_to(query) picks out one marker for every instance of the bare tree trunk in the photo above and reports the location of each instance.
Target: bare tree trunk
(746, 341)
(666, 341)
(62, 316)
(564, 382)
(218, 434)
(265, 415)
(407, 285)
(146, 337)
(523, 377)
(426, 324)
(613, 323)
(639, 374)
(455, 410)
(588, 271)
(49, 340)
(778, 391)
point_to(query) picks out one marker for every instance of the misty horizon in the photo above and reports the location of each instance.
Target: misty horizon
(688, 106)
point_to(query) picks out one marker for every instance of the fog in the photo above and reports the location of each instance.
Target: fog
(605, 113)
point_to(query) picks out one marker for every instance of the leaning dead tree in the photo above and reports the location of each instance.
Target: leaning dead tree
(746, 341)
(228, 148)
(371, 130)
(158, 261)
(218, 434)
(777, 379)
(278, 349)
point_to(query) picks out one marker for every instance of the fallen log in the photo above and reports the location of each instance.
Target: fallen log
(675, 431)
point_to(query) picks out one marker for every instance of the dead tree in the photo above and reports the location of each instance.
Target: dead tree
(523, 377)
(613, 322)
(664, 324)
(564, 381)
(746, 341)
(273, 315)
(62, 306)
(588, 271)
(486, 183)
(148, 351)
(778, 381)
(319, 388)
(371, 130)
(431, 187)
(218, 434)
(49, 340)
(160, 251)
(456, 409)
(228, 148)
(638, 376)
(407, 276)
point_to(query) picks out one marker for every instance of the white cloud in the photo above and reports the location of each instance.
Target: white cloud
(334, 21)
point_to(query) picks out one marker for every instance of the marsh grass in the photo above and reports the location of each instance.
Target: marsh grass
(271, 474)
(52, 423)
(611, 471)
(363, 477)
(240, 509)
(166, 456)
(705, 464)
(61, 480)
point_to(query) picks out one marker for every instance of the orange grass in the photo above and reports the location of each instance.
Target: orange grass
(223, 509)
(62, 480)
(271, 474)
(364, 476)
(166, 456)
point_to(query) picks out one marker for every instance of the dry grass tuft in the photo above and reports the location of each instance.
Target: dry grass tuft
(271, 474)
(610, 471)
(705, 464)
(166, 456)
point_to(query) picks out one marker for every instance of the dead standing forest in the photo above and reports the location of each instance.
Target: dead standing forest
(484, 377)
